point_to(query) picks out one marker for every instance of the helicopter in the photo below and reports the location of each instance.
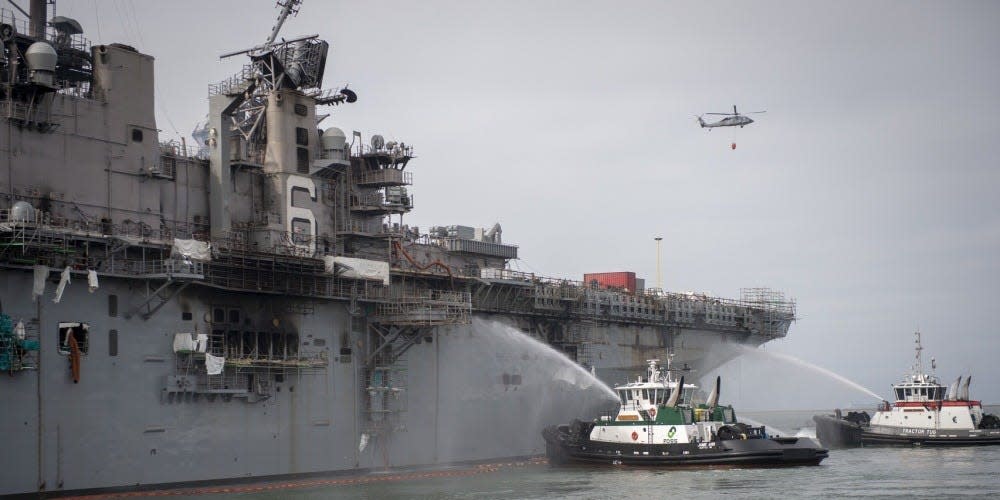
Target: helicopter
(734, 119)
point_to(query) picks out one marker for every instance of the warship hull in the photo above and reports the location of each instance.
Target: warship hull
(122, 425)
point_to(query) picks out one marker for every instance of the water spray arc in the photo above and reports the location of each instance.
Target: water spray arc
(814, 368)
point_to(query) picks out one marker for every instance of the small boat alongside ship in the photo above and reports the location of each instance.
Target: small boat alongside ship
(658, 423)
(925, 412)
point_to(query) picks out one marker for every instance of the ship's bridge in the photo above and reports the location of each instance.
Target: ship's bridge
(919, 391)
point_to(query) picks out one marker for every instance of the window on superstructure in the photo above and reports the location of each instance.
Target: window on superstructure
(113, 306)
(136, 135)
(301, 110)
(301, 231)
(899, 394)
(263, 345)
(302, 160)
(301, 197)
(249, 346)
(112, 342)
(74, 332)
(234, 342)
(301, 136)
(278, 346)
(218, 315)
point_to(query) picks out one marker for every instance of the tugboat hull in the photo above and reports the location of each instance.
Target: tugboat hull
(840, 433)
(562, 448)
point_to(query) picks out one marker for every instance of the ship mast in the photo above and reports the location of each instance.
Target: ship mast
(918, 368)
(287, 7)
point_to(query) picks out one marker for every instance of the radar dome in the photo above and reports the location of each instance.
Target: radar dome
(41, 63)
(22, 211)
(334, 138)
(41, 57)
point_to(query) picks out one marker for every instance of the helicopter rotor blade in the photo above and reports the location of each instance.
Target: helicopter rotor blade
(734, 110)
(723, 114)
(751, 112)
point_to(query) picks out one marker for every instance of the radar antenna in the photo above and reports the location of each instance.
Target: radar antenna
(287, 7)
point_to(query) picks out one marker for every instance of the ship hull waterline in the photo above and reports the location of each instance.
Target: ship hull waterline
(839, 433)
(774, 452)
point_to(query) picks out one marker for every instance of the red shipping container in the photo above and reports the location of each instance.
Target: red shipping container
(624, 280)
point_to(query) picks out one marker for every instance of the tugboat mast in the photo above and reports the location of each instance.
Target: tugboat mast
(918, 369)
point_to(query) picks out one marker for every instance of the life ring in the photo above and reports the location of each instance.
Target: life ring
(635, 436)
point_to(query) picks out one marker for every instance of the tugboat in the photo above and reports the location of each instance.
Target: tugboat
(925, 413)
(658, 424)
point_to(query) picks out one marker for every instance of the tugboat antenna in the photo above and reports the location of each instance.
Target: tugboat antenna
(919, 368)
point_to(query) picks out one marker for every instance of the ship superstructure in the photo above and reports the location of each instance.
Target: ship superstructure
(253, 305)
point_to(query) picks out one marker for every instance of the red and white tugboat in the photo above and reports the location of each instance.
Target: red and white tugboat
(658, 424)
(925, 413)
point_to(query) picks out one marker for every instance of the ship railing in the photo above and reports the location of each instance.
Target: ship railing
(235, 84)
(384, 177)
(128, 229)
(21, 25)
(26, 218)
(398, 151)
(174, 148)
(425, 307)
(173, 268)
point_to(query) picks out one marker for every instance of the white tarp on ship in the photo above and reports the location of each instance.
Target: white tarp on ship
(189, 342)
(64, 280)
(214, 364)
(41, 274)
(192, 249)
(92, 283)
(362, 269)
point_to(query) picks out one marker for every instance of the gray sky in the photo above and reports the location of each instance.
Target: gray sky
(868, 191)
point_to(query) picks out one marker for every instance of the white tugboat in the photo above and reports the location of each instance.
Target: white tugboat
(925, 413)
(658, 423)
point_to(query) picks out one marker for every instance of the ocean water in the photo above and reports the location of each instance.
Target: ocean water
(887, 472)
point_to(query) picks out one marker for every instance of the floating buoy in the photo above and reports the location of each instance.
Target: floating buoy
(733, 145)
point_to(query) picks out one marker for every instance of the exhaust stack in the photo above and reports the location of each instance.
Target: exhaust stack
(713, 398)
(38, 11)
(676, 394)
(964, 393)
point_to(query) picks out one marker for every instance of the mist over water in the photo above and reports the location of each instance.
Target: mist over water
(499, 387)
(811, 367)
(772, 430)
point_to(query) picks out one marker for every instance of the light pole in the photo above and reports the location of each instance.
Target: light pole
(659, 277)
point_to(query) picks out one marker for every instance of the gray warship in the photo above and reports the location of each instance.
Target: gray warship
(251, 305)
